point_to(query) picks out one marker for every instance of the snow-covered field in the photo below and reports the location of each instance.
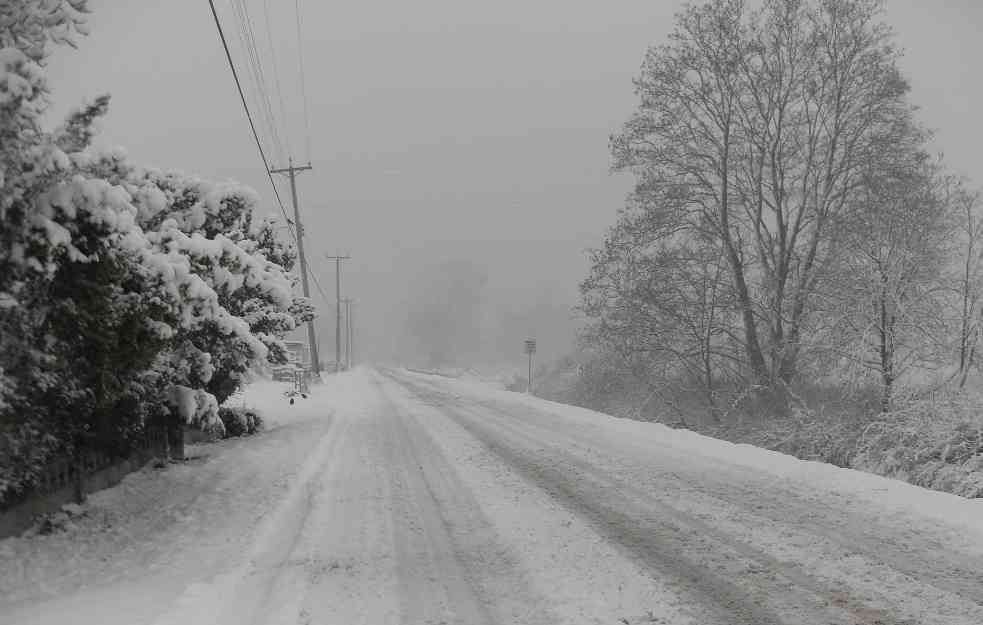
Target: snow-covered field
(396, 497)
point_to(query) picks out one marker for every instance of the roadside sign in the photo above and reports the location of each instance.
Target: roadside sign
(530, 350)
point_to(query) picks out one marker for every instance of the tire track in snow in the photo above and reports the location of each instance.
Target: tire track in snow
(933, 560)
(438, 519)
(737, 580)
(343, 569)
(240, 596)
(913, 558)
(645, 541)
(576, 574)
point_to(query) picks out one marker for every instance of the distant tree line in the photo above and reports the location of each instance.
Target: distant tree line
(788, 221)
(128, 296)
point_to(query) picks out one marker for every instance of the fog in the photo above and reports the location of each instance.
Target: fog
(441, 131)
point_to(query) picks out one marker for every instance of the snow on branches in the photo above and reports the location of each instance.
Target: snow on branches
(127, 294)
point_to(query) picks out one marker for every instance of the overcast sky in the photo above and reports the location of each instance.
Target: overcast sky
(442, 128)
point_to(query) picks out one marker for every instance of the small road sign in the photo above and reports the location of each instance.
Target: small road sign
(530, 350)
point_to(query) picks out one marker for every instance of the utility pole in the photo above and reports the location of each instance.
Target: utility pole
(337, 323)
(348, 332)
(291, 173)
(351, 337)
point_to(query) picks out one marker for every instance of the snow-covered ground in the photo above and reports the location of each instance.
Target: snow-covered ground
(395, 497)
(143, 544)
(497, 376)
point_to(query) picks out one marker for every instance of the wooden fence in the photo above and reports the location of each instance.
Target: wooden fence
(67, 480)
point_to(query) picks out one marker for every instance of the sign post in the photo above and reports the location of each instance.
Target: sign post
(530, 350)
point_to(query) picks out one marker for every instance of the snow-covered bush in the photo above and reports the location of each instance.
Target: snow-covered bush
(238, 258)
(128, 296)
(240, 421)
(936, 443)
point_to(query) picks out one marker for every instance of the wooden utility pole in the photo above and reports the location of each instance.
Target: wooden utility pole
(348, 332)
(351, 336)
(337, 322)
(291, 173)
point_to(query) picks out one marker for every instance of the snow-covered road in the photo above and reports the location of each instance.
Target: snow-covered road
(394, 497)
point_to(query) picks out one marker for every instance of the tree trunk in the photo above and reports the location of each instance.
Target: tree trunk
(752, 346)
(886, 354)
(969, 362)
(887, 389)
(708, 384)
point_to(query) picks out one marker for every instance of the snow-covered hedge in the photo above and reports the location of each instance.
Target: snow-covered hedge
(127, 295)
(239, 421)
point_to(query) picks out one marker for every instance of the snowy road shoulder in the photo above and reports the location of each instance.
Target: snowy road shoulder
(800, 537)
(161, 531)
(893, 497)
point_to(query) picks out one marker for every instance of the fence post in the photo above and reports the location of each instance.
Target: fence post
(176, 434)
(79, 477)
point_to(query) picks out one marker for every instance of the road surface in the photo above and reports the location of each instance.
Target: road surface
(415, 499)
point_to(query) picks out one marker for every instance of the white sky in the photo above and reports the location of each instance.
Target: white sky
(443, 128)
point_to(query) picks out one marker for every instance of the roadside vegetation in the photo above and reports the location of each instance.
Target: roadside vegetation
(795, 268)
(129, 297)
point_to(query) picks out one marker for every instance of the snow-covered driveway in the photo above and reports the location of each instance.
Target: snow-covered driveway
(394, 497)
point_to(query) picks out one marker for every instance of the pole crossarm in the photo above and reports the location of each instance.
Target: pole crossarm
(288, 170)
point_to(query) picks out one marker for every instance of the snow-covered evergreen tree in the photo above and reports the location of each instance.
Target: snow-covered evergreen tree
(30, 161)
(241, 259)
(127, 295)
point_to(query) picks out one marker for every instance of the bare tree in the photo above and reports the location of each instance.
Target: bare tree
(681, 144)
(895, 280)
(754, 132)
(663, 305)
(970, 278)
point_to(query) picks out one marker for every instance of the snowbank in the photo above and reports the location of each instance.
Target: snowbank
(131, 550)
(499, 376)
(889, 495)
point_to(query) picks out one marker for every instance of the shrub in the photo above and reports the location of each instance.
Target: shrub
(240, 421)
(933, 443)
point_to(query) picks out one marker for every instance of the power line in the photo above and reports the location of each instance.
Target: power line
(245, 107)
(317, 284)
(260, 72)
(255, 85)
(248, 39)
(303, 81)
(298, 234)
(256, 65)
(276, 77)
